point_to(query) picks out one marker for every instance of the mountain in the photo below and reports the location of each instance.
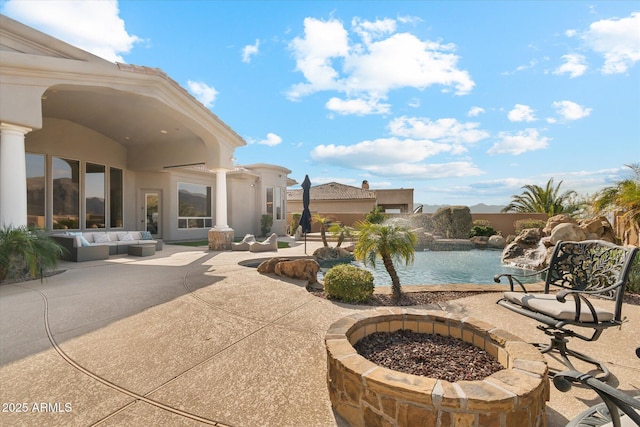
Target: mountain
(479, 208)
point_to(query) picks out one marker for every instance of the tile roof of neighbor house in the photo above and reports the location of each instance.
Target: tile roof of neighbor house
(333, 191)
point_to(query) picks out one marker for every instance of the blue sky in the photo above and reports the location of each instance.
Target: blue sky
(464, 101)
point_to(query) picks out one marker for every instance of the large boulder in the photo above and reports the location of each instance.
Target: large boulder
(269, 266)
(557, 220)
(497, 241)
(567, 232)
(527, 250)
(598, 228)
(328, 257)
(303, 269)
(453, 222)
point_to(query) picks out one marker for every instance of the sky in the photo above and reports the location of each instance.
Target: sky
(463, 101)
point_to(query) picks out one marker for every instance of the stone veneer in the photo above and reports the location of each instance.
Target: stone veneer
(366, 394)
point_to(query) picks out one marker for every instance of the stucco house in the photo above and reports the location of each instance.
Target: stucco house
(86, 143)
(348, 204)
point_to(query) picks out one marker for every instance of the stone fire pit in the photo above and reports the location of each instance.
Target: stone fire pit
(364, 393)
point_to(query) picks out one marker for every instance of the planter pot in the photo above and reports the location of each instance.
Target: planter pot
(366, 394)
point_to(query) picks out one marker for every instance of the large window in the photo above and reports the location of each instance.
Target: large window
(194, 205)
(94, 195)
(66, 193)
(115, 198)
(36, 190)
(275, 202)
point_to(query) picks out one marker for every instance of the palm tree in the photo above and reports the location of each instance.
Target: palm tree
(623, 196)
(547, 200)
(388, 241)
(323, 221)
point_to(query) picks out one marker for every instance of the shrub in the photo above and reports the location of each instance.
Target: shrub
(348, 283)
(295, 222)
(26, 253)
(376, 215)
(523, 224)
(482, 227)
(265, 224)
(633, 280)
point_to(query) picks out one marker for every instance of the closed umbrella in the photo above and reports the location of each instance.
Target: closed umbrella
(305, 219)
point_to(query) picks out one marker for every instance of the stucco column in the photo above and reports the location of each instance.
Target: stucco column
(13, 176)
(221, 235)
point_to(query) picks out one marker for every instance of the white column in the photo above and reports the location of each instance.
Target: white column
(221, 201)
(13, 176)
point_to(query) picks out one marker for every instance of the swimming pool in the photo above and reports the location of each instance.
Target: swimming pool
(476, 266)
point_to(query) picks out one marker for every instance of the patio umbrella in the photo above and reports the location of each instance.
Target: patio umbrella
(305, 219)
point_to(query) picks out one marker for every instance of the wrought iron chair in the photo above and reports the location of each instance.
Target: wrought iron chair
(591, 268)
(617, 409)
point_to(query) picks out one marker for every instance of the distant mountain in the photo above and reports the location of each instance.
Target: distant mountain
(479, 208)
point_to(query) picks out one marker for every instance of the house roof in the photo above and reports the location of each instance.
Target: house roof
(333, 191)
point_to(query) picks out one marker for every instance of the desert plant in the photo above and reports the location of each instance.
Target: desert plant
(633, 280)
(348, 283)
(390, 242)
(323, 221)
(340, 232)
(295, 222)
(547, 200)
(265, 224)
(482, 227)
(523, 224)
(376, 215)
(27, 253)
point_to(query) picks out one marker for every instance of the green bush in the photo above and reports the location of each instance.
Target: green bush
(265, 224)
(376, 215)
(27, 253)
(523, 224)
(482, 227)
(633, 280)
(295, 222)
(348, 283)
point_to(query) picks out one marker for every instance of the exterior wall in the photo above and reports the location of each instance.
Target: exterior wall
(396, 199)
(242, 196)
(270, 176)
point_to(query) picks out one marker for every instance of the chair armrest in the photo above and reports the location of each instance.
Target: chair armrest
(579, 298)
(514, 277)
(613, 398)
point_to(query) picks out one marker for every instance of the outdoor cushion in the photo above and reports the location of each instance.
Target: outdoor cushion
(101, 238)
(145, 235)
(125, 237)
(80, 239)
(549, 305)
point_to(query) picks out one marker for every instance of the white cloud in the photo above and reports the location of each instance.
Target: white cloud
(521, 142)
(475, 111)
(570, 110)
(574, 65)
(521, 113)
(618, 40)
(422, 171)
(204, 93)
(358, 107)
(94, 26)
(384, 61)
(414, 102)
(447, 130)
(250, 50)
(271, 140)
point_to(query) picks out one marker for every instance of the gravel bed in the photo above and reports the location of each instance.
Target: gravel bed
(433, 356)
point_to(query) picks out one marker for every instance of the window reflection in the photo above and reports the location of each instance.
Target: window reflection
(66, 194)
(94, 191)
(36, 190)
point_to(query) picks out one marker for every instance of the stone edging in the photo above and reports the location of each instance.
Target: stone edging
(364, 393)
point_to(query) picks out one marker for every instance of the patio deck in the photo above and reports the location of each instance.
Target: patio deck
(189, 337)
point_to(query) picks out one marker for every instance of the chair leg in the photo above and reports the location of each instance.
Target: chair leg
(559, 343)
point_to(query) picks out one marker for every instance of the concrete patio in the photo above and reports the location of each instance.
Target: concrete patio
(189, 337)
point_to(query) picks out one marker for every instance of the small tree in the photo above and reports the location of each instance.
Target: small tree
(390, 242)
(265, 224)
(376, 216)
(322, 220)
(340, 231)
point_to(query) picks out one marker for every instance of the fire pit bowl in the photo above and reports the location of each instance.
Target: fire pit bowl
(366, 394)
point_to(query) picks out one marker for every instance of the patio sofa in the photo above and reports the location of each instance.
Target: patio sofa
(91, 245)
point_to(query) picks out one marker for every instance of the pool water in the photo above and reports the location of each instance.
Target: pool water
(444, 267)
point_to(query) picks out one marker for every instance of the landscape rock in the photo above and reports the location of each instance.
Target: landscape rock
(328, 257)
(453, 222)
(567, 232)
(497, 241)
(269, 266)
(598, 228)
(557, 220)
(303, 269)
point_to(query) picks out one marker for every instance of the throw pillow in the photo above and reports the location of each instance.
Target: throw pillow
(146, 235)
(125, 237)
(101, 237)
(79, 238)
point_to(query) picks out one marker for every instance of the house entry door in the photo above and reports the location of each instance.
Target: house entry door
(151, 209)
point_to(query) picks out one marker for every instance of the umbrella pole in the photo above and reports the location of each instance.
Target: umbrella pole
(305, 243)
